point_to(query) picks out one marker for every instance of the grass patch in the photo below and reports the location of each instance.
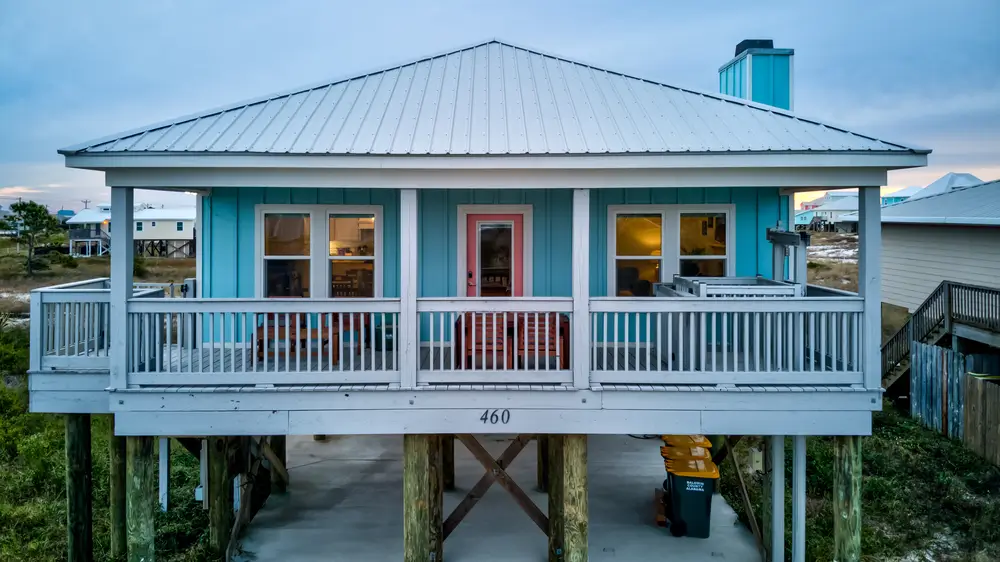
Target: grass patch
(833, 274)
(33, 472)
(925, 497)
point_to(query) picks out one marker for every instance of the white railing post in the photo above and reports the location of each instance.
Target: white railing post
(869, 287)
(35, 333)
(407, 337)
(121, 282)
(581, 288)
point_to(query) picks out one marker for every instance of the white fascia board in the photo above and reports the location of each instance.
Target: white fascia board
(884, 160)
(816, 178)
(961, 221)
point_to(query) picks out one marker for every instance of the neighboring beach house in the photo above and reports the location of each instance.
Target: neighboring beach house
(900, 195)
(489, 228)
(157, 232)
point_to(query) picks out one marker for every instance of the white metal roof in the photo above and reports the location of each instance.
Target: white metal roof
(96, 215)
(973, 205)
(849, 203)
(905, 192)
(946, 183)
(490, 99)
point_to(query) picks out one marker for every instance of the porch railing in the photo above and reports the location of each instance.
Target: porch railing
(70, 325)
(262, 341)
(726, 340)
(474, 340)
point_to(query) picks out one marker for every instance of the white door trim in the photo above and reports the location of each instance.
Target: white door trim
(463, 219)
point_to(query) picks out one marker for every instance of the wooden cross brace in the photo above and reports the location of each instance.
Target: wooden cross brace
(496, 471)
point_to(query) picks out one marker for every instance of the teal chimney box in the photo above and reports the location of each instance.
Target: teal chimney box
(759, 73)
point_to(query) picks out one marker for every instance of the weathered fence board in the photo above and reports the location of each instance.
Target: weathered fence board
(953, 393)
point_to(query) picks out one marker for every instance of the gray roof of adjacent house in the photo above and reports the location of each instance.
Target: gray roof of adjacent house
(946, 183)
(492, 98)
(905, 192)
(849, 203)
(973, 205)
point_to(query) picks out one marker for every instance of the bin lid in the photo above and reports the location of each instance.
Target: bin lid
(693, 468)
(685, 453)
(687, 441)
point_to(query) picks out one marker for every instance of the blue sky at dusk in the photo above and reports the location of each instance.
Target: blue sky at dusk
(919, 72)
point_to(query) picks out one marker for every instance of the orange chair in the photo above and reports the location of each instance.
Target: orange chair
(483, 336)
(538, 338)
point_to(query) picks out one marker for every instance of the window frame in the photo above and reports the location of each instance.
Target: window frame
(319, 247)
(138, 226)
(180, 226)
(670, 238)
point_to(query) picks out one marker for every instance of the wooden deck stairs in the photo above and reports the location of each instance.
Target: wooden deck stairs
(950, 304)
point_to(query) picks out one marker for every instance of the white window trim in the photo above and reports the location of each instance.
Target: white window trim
(319, 248)
(669, 237)
(527, 254)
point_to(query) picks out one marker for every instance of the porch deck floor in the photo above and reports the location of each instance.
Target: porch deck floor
(345, 503)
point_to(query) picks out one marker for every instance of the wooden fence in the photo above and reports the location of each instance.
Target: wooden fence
(957, 395)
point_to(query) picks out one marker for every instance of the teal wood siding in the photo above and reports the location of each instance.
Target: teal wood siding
(228, 233)
(732, 79)
(552, 232)
(756, 209)
(770, 77)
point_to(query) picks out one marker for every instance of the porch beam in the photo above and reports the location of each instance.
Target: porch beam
(407, 338)
(122, 213)
(581, 289)
(869, 258)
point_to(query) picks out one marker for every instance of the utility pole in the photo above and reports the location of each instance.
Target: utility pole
(86, 203)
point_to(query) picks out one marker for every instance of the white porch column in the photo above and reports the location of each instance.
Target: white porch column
(799, 498)
(407, 337)
(776, 448)
(869, 264)
(581, 288)
(122, 252)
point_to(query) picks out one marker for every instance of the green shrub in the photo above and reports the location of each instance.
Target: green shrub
(140, 268)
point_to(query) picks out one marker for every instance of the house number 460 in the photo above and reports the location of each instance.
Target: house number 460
(494, 417)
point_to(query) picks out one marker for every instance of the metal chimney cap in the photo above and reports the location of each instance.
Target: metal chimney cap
(753, 44)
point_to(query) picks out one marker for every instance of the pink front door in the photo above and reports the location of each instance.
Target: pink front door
(495, 255)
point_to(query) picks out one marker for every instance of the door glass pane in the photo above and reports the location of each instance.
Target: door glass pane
(703, 234)
(495, 260)
(703, 268)
(638, 235)
(636, 277)
(352, 278)
(286, 278)
(352, 235)
(286, 234)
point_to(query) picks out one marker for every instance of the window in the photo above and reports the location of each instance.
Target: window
(650, 244)
(287, 255)
(352, 255)
(153, 224)
(314, 251)
(703, 244)
(180, 226)
(638, 253)
(138, 226)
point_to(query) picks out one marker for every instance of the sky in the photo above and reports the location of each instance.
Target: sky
(926, 73)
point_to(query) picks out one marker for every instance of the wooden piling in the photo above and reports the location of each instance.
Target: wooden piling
(140, 497)
(448, 461)
(568, 512)
(422, 499)
(542, 465)
(220, 495)
(847, 499)
(79, 489)
(116, 454)
(279, 447)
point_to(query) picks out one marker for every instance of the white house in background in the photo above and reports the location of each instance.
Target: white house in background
(952, 235)
(836, 208)
(163, 232)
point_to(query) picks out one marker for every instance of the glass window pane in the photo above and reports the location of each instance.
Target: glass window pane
(352, 235)
(286, 234)
(703, 234)
(495, 260)
(352, 278)
(703, 268)
(286, 278)
(635, 278)
(638, 235)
